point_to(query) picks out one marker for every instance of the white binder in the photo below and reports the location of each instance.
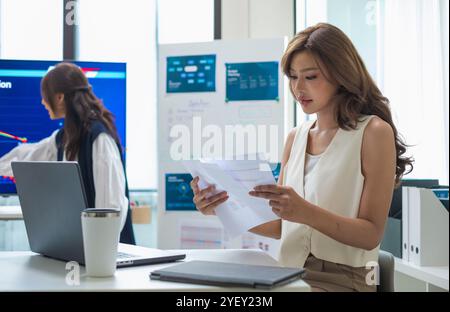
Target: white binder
(414, 227)
(405, 223)
(427, 228)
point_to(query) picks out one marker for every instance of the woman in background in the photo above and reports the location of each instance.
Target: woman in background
(89, 137)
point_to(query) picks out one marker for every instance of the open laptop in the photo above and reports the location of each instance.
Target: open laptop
(52, 198)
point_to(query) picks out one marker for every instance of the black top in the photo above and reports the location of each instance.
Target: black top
(85, 162)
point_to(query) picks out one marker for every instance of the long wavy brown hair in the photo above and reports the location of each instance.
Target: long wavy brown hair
(82, 106)
(357, 93)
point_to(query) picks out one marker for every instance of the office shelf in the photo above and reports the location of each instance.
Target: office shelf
(437, 276)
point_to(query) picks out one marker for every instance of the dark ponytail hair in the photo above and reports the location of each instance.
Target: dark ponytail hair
(82, 107)
(357, 94)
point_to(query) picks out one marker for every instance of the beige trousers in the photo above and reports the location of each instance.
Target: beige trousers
(323, 275)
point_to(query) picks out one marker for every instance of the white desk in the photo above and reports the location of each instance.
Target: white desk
(27, 271)
(10, 213)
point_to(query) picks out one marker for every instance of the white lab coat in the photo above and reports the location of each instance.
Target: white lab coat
(109, 177)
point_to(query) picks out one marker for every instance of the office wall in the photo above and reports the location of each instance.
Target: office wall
(243, 19)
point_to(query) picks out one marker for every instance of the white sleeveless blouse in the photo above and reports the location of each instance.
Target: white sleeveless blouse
(335, 184)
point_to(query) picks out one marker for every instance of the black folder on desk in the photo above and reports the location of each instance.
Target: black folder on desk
(228, 274)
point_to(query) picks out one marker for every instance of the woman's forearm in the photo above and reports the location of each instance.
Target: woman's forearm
(5, 161)
(354, 232)
(44, 150)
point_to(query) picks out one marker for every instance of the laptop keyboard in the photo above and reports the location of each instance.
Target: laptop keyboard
(123, 255)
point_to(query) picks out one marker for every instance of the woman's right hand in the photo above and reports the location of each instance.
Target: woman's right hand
(204, 202)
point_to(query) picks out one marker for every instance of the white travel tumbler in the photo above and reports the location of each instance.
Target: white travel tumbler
(101, 230)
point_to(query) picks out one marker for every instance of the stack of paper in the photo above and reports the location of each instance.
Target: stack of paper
(241, 211)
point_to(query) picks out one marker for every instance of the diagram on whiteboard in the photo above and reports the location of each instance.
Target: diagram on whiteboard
(192, 73)
(179, 195)
(255, 81)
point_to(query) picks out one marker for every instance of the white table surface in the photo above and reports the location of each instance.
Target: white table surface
(28, 271)
(10, 213)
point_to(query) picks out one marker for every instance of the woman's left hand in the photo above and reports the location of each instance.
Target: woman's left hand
(285, 202)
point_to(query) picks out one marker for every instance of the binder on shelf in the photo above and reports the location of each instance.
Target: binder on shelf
(392, 239)
(405, 223)
(414, 213)
(425, 228)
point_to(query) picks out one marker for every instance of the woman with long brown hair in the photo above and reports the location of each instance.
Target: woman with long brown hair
(338, 172)
(89, 136)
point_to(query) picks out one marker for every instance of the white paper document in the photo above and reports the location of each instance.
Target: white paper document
(241, 211)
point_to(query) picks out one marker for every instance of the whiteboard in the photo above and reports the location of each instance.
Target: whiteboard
(205, 114)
